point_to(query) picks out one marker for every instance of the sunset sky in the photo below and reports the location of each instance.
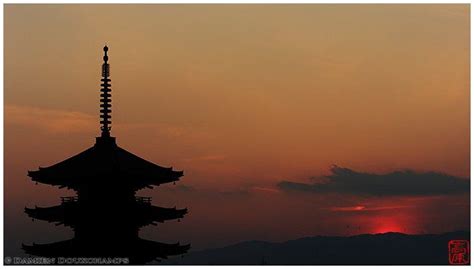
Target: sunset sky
(288, 120)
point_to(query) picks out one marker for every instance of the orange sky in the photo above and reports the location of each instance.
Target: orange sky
(241, 97)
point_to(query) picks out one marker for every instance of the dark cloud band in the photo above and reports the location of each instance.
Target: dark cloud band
(344, 180)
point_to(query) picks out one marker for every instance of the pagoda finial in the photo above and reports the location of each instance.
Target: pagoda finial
(105, 101)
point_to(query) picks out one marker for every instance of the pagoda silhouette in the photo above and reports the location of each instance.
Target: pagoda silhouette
(106, 215)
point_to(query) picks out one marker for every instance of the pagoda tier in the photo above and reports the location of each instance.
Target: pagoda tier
(71, 213)
(106, 216)
(138, 251)
(108, 163)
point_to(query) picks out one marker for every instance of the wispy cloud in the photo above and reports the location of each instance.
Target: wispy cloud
(206, 158)
(57, 121)
(348, 208)
(50, 120)
(364, 208)
(265, 189)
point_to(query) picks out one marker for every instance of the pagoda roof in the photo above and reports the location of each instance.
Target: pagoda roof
(138, 251)
(102, 162)
(70, 212)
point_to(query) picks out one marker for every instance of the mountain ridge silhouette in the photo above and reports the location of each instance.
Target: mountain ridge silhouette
(364, 249)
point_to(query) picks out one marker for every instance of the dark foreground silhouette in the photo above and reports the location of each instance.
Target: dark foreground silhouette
(106, 215)
(366, 249)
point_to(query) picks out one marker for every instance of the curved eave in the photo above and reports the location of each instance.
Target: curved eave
(54, 214)
(105, 160)
(139, 250)
(139, 180)
(143, 214)
(150, 184)
(162, 250)
(40, 177)
(160, 214)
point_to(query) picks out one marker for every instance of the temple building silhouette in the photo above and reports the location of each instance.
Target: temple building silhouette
(106, 215)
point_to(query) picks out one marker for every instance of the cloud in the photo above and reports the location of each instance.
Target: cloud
(206, 158)
(362, 208)
(407, 182)
(178, 188)
(57, 121)
(265, 189)
(50, 120)
(243, 192)
(348, 208)
(185, 188)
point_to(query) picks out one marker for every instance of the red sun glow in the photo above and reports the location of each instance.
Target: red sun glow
(387, 226)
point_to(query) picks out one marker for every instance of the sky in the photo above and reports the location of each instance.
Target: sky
(288, 120)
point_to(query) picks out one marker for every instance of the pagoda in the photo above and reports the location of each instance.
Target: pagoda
(106, 215)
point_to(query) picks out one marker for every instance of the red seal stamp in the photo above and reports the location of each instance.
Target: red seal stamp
(458, 251)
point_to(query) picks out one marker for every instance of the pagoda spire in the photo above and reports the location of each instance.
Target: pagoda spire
(105, 101)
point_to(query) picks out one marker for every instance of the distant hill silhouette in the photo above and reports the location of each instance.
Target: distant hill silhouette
(382, 249)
